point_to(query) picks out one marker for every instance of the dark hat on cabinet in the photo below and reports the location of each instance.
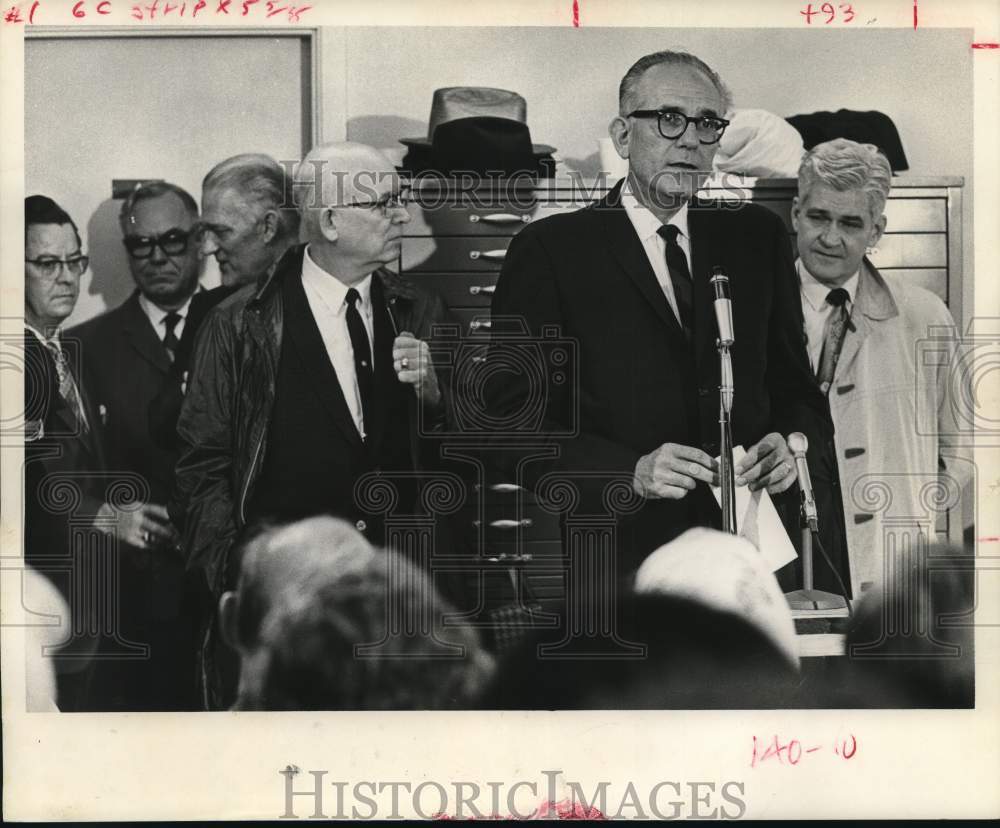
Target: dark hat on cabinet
(483, 129)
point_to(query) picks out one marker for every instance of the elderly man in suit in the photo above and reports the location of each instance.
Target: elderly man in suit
(864, 335)
(129, 354)
(627, 279)
(310, 378)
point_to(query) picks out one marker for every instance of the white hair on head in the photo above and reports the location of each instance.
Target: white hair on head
(842, 164)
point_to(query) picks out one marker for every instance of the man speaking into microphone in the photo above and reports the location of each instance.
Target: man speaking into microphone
(628, 280)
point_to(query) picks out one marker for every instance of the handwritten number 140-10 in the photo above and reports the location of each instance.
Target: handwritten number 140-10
(846, 12)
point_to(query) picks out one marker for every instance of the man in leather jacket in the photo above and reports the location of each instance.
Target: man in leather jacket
(314, 377)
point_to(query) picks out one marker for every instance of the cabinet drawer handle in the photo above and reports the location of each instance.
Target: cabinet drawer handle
(500, 218)
(478, 360)
(503, 488)
(523, 523)
(475, 290)
(496, 255)
(480, 324)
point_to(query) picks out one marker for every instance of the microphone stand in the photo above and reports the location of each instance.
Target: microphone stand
(727, 473)
(808, 599)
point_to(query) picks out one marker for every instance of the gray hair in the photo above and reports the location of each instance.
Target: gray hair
(155, 189)
(258, 179)
(626, 89)
(847, 165)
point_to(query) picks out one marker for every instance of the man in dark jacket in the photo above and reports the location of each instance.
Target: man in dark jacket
(305, 382)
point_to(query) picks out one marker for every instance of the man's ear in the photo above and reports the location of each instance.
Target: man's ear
(619, 131)
(327, 224)
(877, 231)
(795, 214)
(272, 224)
(228, 614)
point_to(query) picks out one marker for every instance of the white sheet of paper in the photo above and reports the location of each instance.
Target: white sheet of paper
(758, 522)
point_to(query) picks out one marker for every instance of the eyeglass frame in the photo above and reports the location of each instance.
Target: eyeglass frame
(157, 241)
(688, 120)
(56, 265)
(386, 204)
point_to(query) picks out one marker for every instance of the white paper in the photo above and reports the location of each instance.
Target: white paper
(758, 521)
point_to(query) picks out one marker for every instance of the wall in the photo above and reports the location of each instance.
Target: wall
(98, 108)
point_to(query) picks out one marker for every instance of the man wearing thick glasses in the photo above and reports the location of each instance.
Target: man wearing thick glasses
(628, 279)
(129, 356)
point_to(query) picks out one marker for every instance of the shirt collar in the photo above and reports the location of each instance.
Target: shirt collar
(156, 314)
(54, 339)
(816, 292)
(646, 224)
(330, 288)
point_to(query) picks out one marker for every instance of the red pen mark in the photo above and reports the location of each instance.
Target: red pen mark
(992, 46)
(791, 752)
(576, 13)
(987, 46)
(914, 14)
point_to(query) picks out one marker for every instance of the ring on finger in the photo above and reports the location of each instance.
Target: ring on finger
(404, 363)
(145, 536)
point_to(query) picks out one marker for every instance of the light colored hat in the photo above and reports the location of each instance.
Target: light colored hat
(453, 102)
(724, 572)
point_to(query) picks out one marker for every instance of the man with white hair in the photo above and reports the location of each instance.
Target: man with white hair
(310, 378)
(864, 331)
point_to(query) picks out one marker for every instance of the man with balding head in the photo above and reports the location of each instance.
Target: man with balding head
(310, 378)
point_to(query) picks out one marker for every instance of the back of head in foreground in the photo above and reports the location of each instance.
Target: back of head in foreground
(355, 629)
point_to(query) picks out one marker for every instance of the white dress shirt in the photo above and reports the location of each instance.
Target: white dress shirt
(156, 316)
(647, 227)
(327, 297)
(815, 308)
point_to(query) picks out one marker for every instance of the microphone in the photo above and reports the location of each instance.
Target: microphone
(798, 445)
(723, 306)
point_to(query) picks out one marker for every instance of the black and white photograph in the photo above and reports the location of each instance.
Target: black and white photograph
(567, 411)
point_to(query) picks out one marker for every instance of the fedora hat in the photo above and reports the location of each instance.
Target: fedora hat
(458, 102)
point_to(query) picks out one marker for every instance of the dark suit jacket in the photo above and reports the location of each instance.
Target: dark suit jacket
(632, 382)
(127, 369)
(56, 451)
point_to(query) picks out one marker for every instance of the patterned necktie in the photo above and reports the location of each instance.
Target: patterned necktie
(67, 385)
(680, 277)
(362, 354)
(833, 337)
(170, 341)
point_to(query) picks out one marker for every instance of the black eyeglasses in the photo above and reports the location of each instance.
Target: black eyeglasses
(49, 267)
(672, 124)
(386, 204)
(172, 243)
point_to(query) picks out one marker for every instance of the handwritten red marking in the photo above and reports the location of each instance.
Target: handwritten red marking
(13, 15)
(223, 6)
(992, 46)
(914, 14)
(791, 752)
(576, 13)
(987, 46)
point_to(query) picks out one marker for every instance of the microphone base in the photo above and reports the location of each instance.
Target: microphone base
(815, 600)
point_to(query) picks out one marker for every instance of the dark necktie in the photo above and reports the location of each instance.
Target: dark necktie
(680, 277)
(67, 385)
(833, 337)
(362, 354)
(170, 341)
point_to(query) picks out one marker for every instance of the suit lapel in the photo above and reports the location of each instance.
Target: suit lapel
(387, 385)
(624, 243)
(303, 333)
(141, 337)
(705, 255)
(872, 302)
